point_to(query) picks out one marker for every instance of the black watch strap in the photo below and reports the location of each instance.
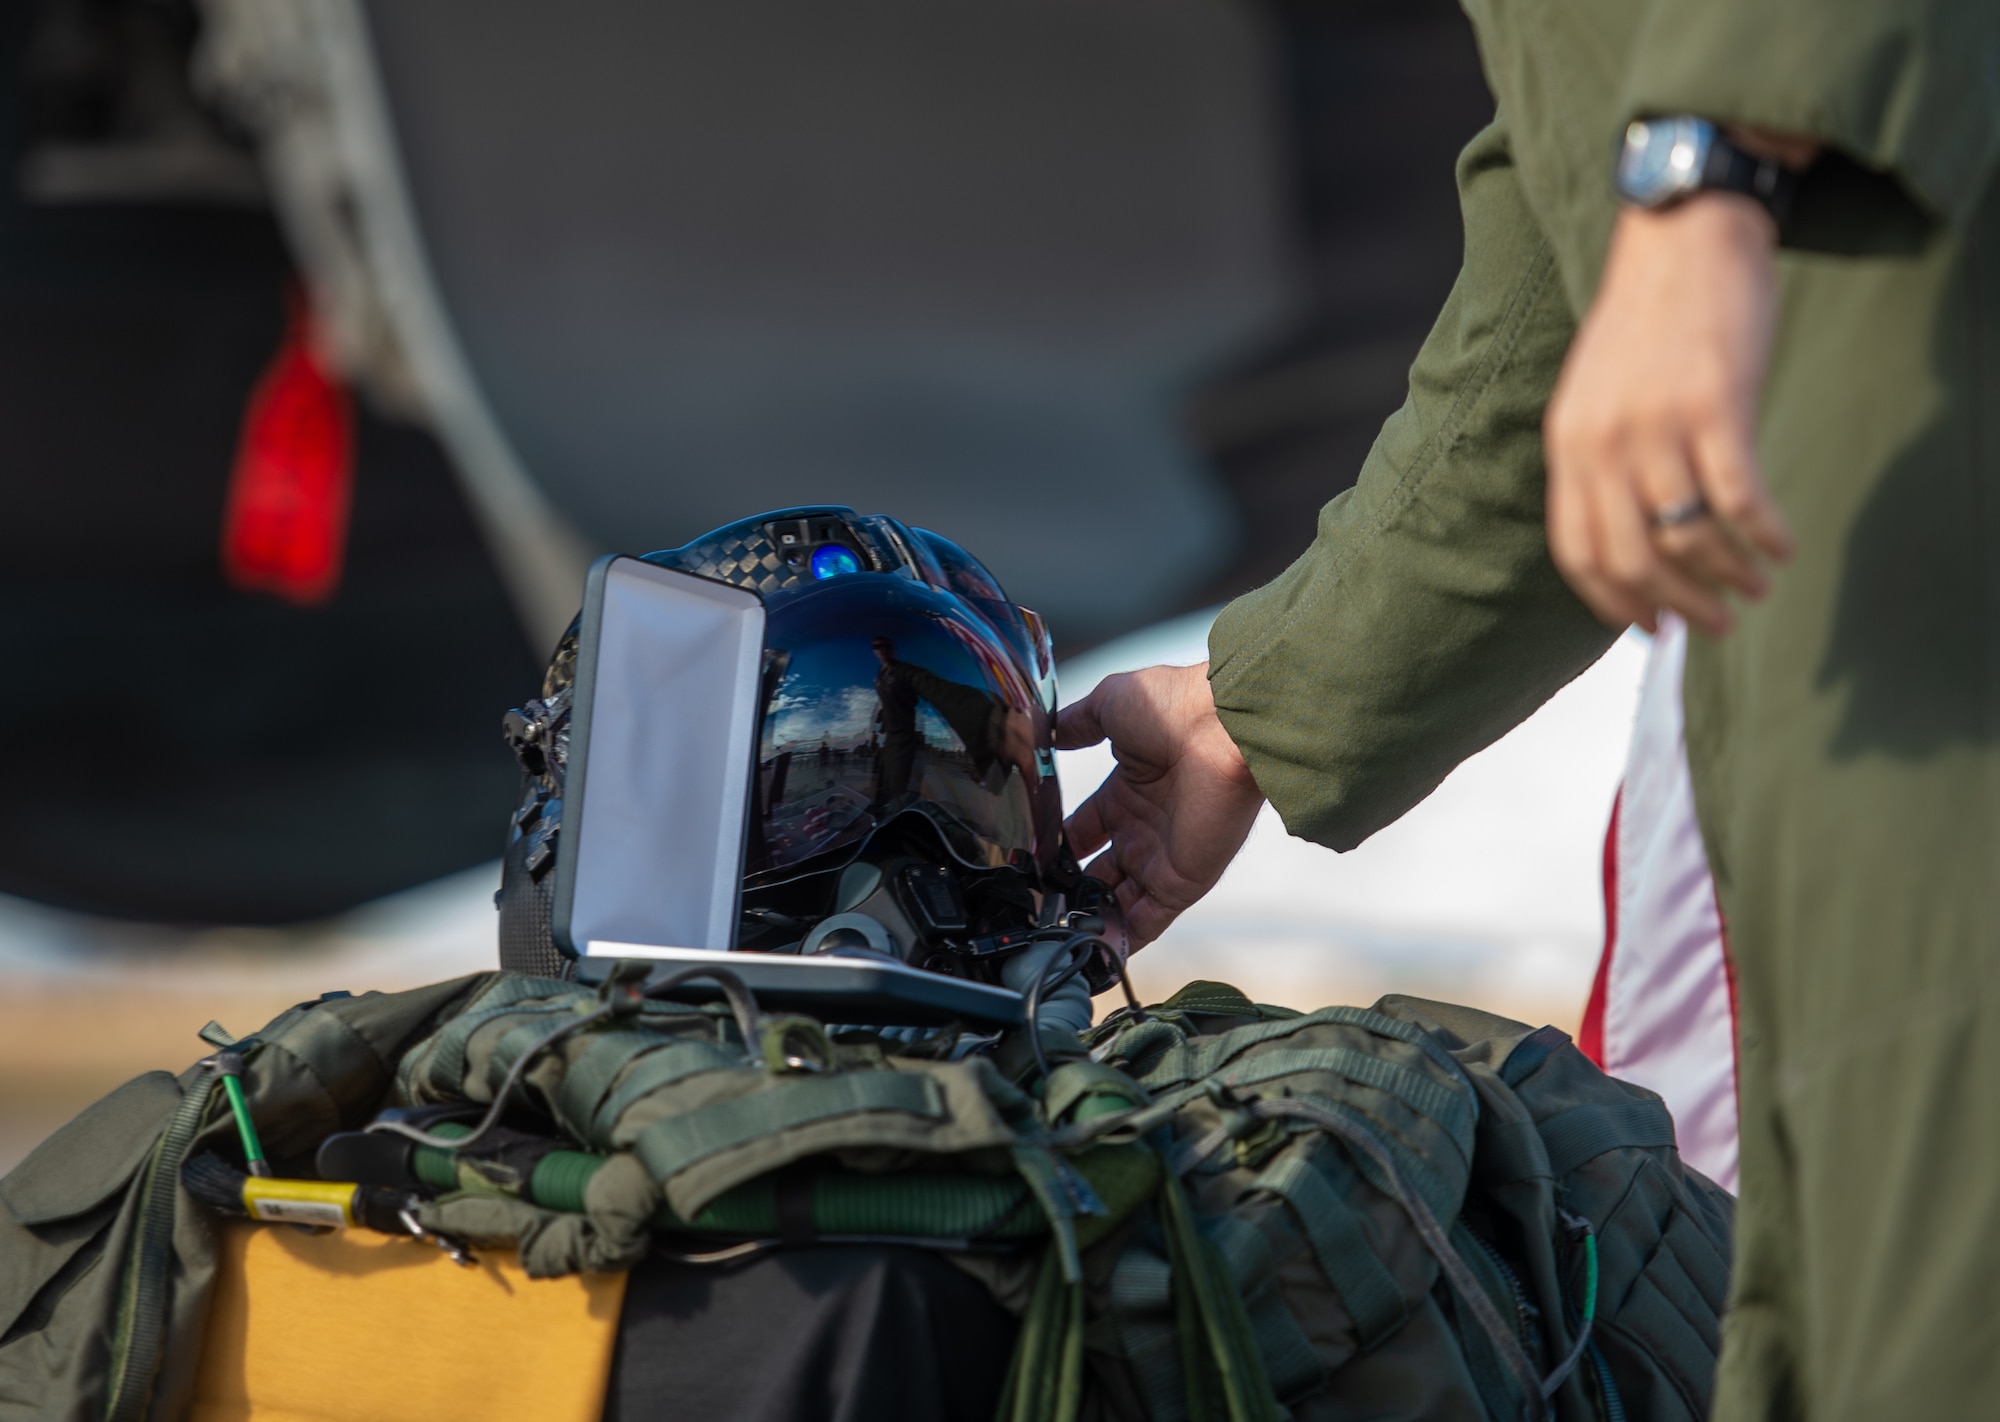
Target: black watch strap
(1732, 170)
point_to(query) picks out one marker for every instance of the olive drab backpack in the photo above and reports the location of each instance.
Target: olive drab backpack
(1208, 1209)
(1427, 1211)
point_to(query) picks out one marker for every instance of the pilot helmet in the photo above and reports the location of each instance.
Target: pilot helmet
(904, 798)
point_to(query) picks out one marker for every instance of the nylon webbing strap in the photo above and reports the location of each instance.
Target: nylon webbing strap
(1142, 1304)
(1383, 1026)
(1451, 1109)
(1073, 1081)
(1367, 1289)
(1139, 1040)
(1444, 1196)
(1223, 1366)
(589, 1075)
(514, 1043)
(1362, 1140)
(445, 1074)
(1587, 1132)
(670, 1146)
(1141, 1283)
(1194, 1063)
(1290, 1362)
(146, 1292)
(662, 1066)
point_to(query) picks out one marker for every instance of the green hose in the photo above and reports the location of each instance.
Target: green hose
(930, 1206)
(904, 1204)
(561, 1178)
(438, 1168)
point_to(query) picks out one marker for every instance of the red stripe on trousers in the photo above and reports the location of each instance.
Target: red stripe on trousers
(1590, 1036)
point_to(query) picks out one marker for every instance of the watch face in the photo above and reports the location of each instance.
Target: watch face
(1662, 159)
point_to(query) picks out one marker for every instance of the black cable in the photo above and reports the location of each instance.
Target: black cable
(742, 1002)
(742, 1005)
(1073, 956)
(521, 1063)
(1125, 983)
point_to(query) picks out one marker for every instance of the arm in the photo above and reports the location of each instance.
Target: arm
(1424, 622)
(1656, 498)
(1427, 619)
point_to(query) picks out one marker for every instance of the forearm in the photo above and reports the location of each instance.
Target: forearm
(1427, 619)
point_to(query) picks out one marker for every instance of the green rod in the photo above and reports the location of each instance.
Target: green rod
(253, 1149)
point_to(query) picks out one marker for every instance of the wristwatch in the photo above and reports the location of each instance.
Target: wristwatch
(1664, 160)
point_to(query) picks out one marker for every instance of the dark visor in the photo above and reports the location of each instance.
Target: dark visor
(883, 697)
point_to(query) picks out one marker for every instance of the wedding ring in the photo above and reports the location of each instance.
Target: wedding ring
(1677, 515)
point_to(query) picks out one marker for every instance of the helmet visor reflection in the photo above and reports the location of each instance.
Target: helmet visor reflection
(883, 700)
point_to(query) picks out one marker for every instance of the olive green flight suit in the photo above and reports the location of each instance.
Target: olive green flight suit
(1845, 741)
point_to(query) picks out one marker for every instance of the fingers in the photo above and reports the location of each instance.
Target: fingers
(1619, 559)
(1631, 572)
(1655, 412)
(1726, 458)
(1593, 543)
(1137, 867)
(1568, 512)
(1078, 725)
(1706, 550)
(1659, 581)
(1145, 922)
(1702, 546)
(1606, 492)
(1180, 802)
(1145, 916)
(1087, 829)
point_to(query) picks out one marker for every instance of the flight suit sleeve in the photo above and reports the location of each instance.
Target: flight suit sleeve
(1426, 620)
(1907, 90)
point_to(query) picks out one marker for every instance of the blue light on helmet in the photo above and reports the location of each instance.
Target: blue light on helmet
(832, 559)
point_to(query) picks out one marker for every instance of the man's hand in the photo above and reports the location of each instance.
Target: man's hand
(1654, 495)
(1180, 803)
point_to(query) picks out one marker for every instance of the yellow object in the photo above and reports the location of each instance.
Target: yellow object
(362, 1327)
(325, 1204)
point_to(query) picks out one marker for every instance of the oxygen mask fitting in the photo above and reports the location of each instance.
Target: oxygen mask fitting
(914, 910)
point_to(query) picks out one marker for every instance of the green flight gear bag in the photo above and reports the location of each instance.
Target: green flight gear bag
(1426, 1211)
(1222, 1210)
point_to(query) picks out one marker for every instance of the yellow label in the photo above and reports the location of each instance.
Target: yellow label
(324, 1204)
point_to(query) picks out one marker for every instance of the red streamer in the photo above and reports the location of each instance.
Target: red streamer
(284, 528)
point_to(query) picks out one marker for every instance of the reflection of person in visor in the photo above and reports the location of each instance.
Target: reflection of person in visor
(992, 733)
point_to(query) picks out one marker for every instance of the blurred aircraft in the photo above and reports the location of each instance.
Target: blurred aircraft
(338, 334)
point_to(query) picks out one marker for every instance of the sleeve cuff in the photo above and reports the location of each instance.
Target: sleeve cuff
(1907, 95)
